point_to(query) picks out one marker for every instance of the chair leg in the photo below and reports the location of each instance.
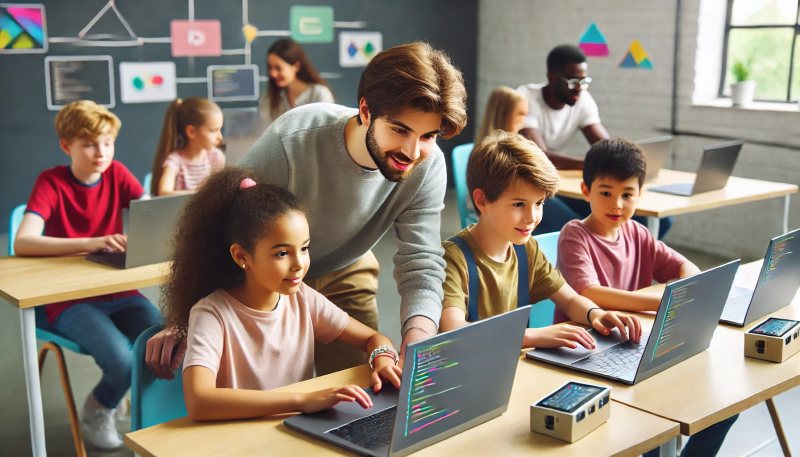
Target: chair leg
(776, 422)
(72, 412)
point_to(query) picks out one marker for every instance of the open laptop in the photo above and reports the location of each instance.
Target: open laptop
(713, 172)
(687, 316)
(775, 287)
(151, 224)
(451, 382)
(656, 150)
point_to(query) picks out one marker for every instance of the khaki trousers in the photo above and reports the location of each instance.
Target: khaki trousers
(353, 289)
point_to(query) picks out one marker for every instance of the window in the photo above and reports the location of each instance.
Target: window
(763, 35)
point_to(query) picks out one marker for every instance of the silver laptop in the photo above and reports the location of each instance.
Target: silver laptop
(713, 172)
(451, 382)
(656, 150)
(687, 316)
(775, 287)
(150, 226)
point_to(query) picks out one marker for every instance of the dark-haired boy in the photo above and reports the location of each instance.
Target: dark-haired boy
(609, 258)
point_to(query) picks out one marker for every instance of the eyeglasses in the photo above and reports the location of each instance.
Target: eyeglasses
(573, 84)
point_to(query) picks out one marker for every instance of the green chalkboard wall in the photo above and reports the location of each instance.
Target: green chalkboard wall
(28, 143)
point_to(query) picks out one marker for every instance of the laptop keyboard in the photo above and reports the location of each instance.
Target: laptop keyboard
(370, 432)
(616, 360)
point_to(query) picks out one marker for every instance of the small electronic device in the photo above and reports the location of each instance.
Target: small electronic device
(774, 339)
(572, 411)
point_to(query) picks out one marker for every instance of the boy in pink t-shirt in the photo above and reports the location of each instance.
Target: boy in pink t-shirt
(608, 257)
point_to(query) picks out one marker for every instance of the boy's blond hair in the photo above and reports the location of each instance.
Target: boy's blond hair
(502, 158)
(86, 119)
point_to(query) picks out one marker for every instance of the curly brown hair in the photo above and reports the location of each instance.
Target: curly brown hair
(220, 214)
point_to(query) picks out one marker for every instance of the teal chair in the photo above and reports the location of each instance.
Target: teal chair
(542, 312)
(153, 400)
(459, 159)
(148, 178)
(52, 343)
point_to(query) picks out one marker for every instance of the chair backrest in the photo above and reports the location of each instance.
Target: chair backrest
(153, 400)
(13, 225)
(459, 159)
(542, 312)
(148, 179)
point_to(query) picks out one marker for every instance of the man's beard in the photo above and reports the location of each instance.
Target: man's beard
(382, 160)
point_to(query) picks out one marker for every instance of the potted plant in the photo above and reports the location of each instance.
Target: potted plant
(743, 89)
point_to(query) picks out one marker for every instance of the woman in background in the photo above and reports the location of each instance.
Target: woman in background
(293, 81)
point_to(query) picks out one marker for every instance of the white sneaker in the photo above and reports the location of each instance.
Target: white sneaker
(98, 425)
(123, 413)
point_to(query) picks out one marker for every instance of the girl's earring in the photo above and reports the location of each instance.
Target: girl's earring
(243, 265)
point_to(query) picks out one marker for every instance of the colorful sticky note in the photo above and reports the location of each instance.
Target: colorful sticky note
(196, 38)
(636, 57)
(22, 28)
(311, 24)
(593, 43)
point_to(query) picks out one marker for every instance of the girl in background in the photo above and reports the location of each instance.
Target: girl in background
(236, 288)
(188, 148)
(293, 81)
(505, 110)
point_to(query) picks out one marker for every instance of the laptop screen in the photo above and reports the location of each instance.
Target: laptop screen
(456, 379)
(779, 276)
(687, 316)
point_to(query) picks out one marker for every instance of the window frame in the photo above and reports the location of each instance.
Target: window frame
(729, 27)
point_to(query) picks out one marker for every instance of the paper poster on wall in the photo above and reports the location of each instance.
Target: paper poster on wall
(23, 29)
(232, 83)
(196, 38)
(70, 78)
(636, 57)
(311, 24)
(356, 49)
(593, 43)
(146, 82)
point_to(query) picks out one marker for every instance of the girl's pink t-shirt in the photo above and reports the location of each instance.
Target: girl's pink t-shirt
(249, 349)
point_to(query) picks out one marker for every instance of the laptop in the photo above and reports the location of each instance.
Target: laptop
(150, 226)
(775, 287)
(656, 150)
(451, 382)
(687, 316)
(713, 172)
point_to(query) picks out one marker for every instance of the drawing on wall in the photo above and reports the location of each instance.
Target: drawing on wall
(636, 57)
(232, 82)
(356, 49)
(70, 78)
(146, 82)
(196, 38)
(311, 24)
(593, 43)
(250, 32)
(23, 29)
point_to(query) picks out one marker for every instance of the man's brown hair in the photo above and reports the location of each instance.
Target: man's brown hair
(503, 158)
(416, 76)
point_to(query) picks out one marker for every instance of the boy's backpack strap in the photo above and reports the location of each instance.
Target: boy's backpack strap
(472, 278)
(523, 287)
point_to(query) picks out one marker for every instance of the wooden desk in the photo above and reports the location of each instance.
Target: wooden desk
(715, 384)
(656, 205)
(27, 282)
(628, 432)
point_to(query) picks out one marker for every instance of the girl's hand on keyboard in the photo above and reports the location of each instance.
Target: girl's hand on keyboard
(386, 369)
(312, 402)
(627, 324)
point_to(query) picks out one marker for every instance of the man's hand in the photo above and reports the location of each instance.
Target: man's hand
(164, 353)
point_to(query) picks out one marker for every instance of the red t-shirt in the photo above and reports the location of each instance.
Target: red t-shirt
(72, 209)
